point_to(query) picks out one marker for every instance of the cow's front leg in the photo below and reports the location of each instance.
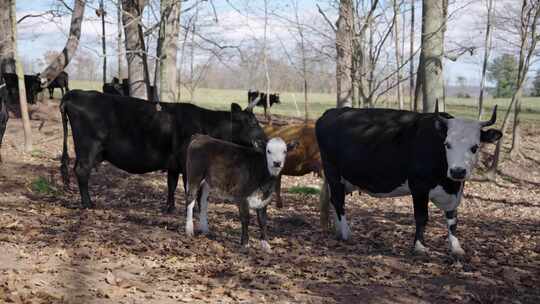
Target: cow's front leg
(244, 219)
(203, 214)
(172, 183)
(421, 217)
(453, 242)
(262, 218)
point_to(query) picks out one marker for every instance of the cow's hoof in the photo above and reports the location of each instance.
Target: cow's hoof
(420, 249)
(266, 247)
(457, 251)
(168, 209)
(89, 206)
(204, 230)
(189, 230)
(279, 204)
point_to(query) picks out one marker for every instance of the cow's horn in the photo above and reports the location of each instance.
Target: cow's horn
(492, 120)
(254, 102)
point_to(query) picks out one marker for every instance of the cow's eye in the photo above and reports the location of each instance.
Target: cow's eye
(269, 152)
(474, 149)
(448, 146)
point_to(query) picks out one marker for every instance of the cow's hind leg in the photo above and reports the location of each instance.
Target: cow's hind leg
(262, 219)
(83, 166)
(172, 183)
(337, 197)
(191, 197)
(203, 214)
(51, 93)
(453, 242)
(421, 216)
(244, 219)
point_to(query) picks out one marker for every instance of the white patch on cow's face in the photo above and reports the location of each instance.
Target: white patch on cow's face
(462, 146)
(276, 151)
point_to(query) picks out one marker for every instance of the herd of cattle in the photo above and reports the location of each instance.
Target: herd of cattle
(381, 152)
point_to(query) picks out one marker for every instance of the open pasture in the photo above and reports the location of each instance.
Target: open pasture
(127, 251)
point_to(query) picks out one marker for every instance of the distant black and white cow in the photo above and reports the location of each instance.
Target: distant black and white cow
(253, 95)
(389, 153)
(242, 174)
(133, 135)
(4, 115)
(61, 81)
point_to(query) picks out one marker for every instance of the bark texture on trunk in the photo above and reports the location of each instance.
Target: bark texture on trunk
(168, 49)
(399, 91)
(119, 46)
(135, 54)
(344, 49)
(60, 62)
(411, 63)
(433, 23)
(487, 51)
(7, 41)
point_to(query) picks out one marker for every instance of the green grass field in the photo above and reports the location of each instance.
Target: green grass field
(292, 102)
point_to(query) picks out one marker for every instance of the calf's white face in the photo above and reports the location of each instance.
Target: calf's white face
(276, 151)
(462, 145)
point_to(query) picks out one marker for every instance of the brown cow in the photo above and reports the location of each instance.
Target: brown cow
(305, 158)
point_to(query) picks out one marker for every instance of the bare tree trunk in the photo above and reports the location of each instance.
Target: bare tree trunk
(487, 51)
(120, 47)
(433, 20)
(344, 45)
(135, 54)
(101, 12)
(58, 65)
(265, 61)
(413, 104)
(399, 91)
(20, 73)
(7, 47)
(168, 49)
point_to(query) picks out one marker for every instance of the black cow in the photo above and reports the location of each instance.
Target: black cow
(244, 174)
(253, 95)
(4, 115)
(389, 153)
(135, 136)
(32, 85)
(61, 81)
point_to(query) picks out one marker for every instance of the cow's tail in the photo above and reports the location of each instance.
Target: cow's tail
(65, 157)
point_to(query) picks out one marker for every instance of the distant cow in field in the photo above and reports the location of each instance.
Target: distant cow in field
(32, 85)
(4, 115)
(133, 135)
(61, 81)
(242, 174)
(253, 95)
(389, 153)
(305, 158)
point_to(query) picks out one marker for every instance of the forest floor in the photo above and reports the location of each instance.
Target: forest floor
(127, 251)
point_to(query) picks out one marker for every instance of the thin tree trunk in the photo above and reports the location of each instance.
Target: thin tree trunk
(344, 45)
(487, 51)
(168, 49)
(22, 89)
(399, 91)
(433, 20)
(103, 40)
(63, 59)
(265, 62)
(413, 104)
(120, 47)
(135, 54)
(7, 48)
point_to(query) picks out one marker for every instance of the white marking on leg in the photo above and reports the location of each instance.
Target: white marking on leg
(451, 222)
(266, 247)
(455, 247)
(344, 231)
(203, 215)
(419, 248)
(189, 219)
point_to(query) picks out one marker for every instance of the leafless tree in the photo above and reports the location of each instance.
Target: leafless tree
(135, 50)
(344, 50)
(168, 49)
(100, 12)
(487, 51)
(51, 71)
(397, 12)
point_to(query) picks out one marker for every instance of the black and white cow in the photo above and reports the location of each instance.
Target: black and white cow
(242, 174)
(4, 115)
(389, 153)
(137, 137)
(261, 97)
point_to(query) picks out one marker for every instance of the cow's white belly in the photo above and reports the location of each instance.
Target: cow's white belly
(257, 201)
(399, 191)
(444, 200)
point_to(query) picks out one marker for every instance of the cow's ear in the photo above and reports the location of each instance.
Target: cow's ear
(440, 126)
(235, 107)
(292, 145)
(490, 136)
